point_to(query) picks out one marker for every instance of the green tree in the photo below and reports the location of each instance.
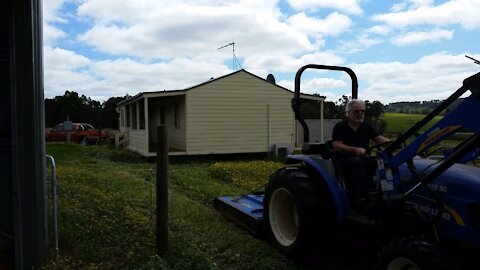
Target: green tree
(110, 114)
(374, 111)
(82, 109)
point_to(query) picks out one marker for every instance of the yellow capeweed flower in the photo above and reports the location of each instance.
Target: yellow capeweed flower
(246, 174)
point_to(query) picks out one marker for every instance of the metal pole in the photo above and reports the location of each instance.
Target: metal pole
(162, 189)
(322, 135)
(54, 205)
(67, 130)
(269, 131)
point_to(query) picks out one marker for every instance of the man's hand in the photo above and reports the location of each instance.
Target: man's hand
(360, 151)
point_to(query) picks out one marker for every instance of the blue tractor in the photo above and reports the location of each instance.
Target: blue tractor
(426, 212)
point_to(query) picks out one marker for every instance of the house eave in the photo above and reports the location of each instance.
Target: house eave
(312, 97)
(144, 95)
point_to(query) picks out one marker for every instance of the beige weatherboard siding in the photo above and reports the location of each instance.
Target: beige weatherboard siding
(236, 113)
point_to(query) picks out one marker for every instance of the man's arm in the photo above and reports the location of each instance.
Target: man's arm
(341, 147)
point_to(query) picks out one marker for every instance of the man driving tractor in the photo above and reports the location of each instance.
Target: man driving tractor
(351, 139)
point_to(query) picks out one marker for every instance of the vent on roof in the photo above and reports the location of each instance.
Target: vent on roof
(271, 79)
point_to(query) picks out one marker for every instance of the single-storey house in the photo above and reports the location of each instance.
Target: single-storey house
(236, 113)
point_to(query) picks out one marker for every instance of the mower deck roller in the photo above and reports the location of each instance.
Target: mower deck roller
(244, 210)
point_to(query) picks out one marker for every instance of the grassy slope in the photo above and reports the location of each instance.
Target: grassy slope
(400, 122)
(106, 216)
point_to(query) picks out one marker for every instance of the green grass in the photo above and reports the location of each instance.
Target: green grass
(106, 203)
(400, 122)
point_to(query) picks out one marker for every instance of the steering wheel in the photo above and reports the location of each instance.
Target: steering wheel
(378, 146)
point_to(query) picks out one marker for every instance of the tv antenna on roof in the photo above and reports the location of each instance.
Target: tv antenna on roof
(474, 60)
(234, 58)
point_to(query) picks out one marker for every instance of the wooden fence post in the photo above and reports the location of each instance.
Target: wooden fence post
(162, 189)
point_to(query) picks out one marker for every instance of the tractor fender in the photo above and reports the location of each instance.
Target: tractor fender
(325, 174)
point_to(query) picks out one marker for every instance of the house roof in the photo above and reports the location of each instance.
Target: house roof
(166, 93)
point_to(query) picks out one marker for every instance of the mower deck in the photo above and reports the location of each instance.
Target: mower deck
(244, 210)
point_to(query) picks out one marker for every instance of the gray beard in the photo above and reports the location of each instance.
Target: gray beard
(358, 121)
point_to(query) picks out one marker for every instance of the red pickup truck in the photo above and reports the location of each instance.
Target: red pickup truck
(82, 133)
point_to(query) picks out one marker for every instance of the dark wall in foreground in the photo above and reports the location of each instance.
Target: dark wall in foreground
(23, 222)
(6, 202)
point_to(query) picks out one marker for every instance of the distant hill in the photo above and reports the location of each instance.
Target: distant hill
(417, 107)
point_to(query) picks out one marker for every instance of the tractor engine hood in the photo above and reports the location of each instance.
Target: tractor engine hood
(460, 180)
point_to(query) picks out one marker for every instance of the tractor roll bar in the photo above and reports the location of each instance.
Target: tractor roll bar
(296, 98)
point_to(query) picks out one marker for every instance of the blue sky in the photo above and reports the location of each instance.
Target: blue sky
(411, 50)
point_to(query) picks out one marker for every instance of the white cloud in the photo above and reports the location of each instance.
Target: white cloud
(379, 30)
(187, 30)
(51, 15)
(434, 76)
(51, 10)
(319, 86)
(262, 64)
(333, 25)
(66, 70)
(61, 59)
(419, 37)
(431, 77)
(174, 45)
(410, 4)
(420, 3)
(361, 43)
(133, 46)
(347, 6)
(462, 12)
(398, 7)
(52, 34)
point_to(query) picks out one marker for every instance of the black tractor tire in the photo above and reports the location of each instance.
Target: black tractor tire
(414, 253)
(298, 214)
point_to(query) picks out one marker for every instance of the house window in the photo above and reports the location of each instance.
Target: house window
(141, 113)
(177, 115)
(134, 115)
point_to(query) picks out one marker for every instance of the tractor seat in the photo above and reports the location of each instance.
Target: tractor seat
(323, 149)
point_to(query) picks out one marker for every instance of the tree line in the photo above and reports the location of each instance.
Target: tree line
(419, 107)
(82, 109)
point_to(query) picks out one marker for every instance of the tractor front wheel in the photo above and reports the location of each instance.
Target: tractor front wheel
(295, 213)
(413, 254)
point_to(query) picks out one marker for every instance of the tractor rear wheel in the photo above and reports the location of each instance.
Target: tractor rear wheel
(413, 254)
(296, 215)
